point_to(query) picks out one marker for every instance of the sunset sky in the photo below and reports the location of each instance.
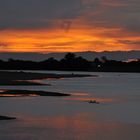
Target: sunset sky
(69, 25)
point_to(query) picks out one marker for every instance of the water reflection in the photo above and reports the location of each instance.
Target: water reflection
(79, 94)
(86, 97)
(77, 127)
(72, 118)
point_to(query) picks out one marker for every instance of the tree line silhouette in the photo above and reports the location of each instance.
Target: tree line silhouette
(71, 62)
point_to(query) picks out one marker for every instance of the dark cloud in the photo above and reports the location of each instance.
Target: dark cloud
(35, 13)
(129, 42)
(120, 13)
(43, 13)
(3, 44)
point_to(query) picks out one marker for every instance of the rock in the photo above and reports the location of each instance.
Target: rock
(93, 102)
(7, 118)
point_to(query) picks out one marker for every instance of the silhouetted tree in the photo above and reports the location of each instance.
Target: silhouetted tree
(104, 59)
(71, 62)
(70, 56)
(97, 61)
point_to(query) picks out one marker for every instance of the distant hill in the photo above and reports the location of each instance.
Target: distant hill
(116, 55)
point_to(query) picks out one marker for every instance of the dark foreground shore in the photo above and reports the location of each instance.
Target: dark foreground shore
(22, 78)
(7, 118)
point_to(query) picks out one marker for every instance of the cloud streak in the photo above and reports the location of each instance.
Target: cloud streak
(116, 20)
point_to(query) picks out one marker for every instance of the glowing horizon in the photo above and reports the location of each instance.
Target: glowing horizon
(74, 40)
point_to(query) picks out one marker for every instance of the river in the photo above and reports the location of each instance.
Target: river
(116, 117)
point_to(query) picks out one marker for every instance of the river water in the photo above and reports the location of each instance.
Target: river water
(117, 117)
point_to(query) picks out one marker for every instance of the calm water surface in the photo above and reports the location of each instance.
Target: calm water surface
(117, 117)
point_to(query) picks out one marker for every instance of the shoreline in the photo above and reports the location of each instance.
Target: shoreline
(22, 78)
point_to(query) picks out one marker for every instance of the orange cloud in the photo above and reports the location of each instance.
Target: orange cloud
(76, 39)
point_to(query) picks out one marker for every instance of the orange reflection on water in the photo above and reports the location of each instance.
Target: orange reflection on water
(80, 126)
(78, 121)
(80, 94)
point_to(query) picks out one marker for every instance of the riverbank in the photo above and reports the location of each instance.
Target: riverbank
(27, 78)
